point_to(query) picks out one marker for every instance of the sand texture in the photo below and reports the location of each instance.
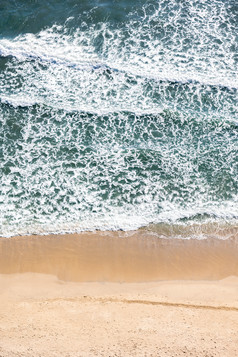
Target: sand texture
(42, 316)
(118, 295)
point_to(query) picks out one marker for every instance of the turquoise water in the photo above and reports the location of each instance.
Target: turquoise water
(118, 115)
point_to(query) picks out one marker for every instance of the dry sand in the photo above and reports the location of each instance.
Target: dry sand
(48, 309)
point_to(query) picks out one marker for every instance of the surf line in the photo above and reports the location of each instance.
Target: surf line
(106, 69)
(57, 61)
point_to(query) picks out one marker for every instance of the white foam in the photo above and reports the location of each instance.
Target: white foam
(64, 72)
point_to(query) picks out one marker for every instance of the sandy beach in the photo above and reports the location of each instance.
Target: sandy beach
(119, 177)
(104, 294)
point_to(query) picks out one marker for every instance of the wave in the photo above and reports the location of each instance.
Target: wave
(192, 228)
(167, 117)
(47, 59)
(195, 230)
(17, 102)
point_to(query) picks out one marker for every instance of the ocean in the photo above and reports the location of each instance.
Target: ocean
(118, 115)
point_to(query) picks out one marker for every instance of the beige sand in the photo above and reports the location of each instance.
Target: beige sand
(119, 256)
(43, 315)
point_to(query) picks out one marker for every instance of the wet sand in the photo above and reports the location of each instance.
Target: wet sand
(104, 294)
(119, 257)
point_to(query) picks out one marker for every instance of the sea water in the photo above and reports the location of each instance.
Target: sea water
(116, 115)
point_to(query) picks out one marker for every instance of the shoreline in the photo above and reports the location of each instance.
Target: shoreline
(119, 257)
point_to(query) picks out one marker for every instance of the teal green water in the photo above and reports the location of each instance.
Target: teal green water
(117, 115)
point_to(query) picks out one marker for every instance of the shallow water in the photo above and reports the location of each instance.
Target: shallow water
(117, 115)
